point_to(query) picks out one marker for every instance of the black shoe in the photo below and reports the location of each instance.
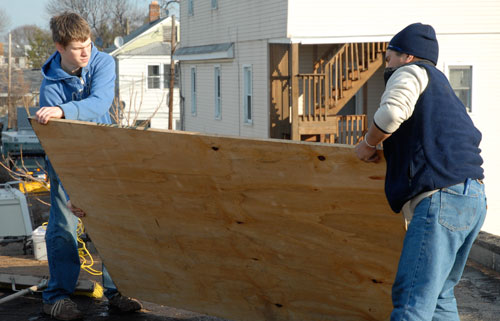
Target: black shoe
(63, 309)
(124, 304)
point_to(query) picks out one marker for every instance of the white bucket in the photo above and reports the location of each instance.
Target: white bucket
(39, 247)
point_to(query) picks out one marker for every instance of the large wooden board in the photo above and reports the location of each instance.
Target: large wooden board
(238, 228)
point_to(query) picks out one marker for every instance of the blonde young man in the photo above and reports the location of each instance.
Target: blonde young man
(78, 84)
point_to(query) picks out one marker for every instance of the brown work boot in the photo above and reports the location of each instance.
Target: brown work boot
(124, 304)
(63, 309)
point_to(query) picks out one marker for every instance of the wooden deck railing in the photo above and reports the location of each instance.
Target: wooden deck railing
(312, 97)
(333, 75)
(335, 79)
(350, 129)
(345, 66)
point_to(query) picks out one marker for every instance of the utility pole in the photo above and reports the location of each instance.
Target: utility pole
(172, 74)
(10, 108)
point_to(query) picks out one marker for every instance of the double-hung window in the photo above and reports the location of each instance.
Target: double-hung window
(193, 91)
(154, 76)
(215, 4)
(247, 94)
(461, 82)
(217, 93)
(190, 7)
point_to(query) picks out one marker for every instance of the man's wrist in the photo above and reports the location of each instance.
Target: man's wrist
(368, 144)
(62, 111)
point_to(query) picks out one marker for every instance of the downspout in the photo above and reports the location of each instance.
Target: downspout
(181, 99)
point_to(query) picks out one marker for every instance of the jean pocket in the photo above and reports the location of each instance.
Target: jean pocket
(458, 212)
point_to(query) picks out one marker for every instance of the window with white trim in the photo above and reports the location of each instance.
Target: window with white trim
(247, 94)
(190, 8)
(217, 94)
(461, 82)
(215, 4)
(193, 91)
(154, 76)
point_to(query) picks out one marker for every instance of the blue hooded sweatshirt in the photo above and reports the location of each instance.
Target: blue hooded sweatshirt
(86, 98)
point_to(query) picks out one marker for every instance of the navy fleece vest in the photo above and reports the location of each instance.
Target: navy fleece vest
(438, 146)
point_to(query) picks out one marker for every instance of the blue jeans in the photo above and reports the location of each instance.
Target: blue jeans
(435, 251)
(62, 247)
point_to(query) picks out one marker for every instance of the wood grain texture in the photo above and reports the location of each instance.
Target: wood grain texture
(238, 228)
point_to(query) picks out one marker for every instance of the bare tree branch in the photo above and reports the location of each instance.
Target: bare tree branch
(4, 20)
(107, 18)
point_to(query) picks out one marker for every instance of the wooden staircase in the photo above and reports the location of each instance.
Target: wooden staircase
(336, 78)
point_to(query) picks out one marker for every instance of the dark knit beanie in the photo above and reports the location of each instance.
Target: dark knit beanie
(418, 40)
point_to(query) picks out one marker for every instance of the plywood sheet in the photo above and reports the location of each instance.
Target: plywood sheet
(238, 228)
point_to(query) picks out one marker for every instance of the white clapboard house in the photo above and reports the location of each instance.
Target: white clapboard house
(143, 61)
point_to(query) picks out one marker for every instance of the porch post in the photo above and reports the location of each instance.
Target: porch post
(294, 66)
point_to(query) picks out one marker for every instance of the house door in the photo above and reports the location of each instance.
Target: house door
(280, 91)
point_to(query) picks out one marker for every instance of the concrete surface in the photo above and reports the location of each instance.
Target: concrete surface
(486, 251)
(478, 294)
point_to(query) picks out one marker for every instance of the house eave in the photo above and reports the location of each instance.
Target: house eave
(330, 39)
(206, 52)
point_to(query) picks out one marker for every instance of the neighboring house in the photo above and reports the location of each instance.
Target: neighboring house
(313, 70)
(18, 56)
(143, 73)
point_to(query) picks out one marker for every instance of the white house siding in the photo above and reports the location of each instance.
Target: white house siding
(233, 21)
(231, 122)
(249, 25)
(204, 119)
(372, 19)
(255, 53)
(481, 52)
(141, 101)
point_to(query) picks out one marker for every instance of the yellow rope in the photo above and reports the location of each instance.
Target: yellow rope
(83, 252)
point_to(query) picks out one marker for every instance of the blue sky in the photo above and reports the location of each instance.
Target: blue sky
(22, 12)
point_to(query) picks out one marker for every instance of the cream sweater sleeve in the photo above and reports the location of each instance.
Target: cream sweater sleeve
(400, 96)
